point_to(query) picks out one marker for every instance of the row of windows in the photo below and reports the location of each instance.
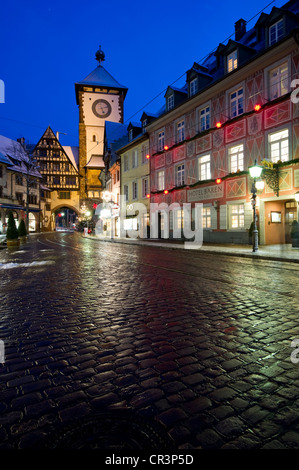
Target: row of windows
(132, 161)
(55, 166)
(232, 61)
(68, 180)
(278, 79)
(145, 189)
(236, 217)
(278, 150)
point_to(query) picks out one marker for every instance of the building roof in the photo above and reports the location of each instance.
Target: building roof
(73, 154)
(17, 157)
(95, 161)
(100, 77)
(116, 135)
(4, 159)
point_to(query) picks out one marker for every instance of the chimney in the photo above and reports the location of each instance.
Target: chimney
(21, 140)
(240, 29)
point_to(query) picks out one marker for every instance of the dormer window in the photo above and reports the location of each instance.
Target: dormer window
(193, 87)
(232, 61)
(144, 124)
(275, 32)
(170, 102)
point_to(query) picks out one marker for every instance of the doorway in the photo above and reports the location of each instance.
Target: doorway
(290, 216)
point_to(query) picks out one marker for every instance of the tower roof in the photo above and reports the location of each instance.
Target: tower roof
(99, 77)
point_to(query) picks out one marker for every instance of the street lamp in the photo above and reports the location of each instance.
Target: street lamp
(255, 172)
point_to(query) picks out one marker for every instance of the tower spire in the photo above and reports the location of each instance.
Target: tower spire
(100, 56)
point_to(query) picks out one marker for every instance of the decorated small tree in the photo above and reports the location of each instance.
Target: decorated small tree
(22, 229)
(12, 233)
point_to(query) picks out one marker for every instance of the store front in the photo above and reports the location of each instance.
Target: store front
(276, 218)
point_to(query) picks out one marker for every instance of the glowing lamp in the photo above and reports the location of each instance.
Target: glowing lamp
(147, 156)
(218, 180)
(166, 191)
(218, 125)
(148, 196)
(166, 147)
(257, 107)
(59, 215)
(260, 185)
(255, 170)
(94, 205)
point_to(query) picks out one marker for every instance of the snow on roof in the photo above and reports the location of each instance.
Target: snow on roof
(96, 162)
(4, 159)
(73, 154)
(17, 156)
(100, 77)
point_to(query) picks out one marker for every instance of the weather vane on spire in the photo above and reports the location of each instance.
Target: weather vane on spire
(100, 56)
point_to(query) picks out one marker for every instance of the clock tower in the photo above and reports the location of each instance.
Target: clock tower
(100, 98)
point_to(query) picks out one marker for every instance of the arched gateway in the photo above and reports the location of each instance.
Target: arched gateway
(64, 217)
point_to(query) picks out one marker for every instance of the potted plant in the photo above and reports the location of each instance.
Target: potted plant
(22, 231)
(295, 234)
(12, 234)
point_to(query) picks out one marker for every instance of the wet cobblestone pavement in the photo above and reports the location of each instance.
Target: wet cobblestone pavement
(193, 348)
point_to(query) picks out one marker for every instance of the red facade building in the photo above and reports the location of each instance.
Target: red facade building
(237, 107)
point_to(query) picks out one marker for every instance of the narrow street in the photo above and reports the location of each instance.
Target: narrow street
(190, 347)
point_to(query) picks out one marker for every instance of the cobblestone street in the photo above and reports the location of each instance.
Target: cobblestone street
(196, 345)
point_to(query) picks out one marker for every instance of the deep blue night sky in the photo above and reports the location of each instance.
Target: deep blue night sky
(46, 46)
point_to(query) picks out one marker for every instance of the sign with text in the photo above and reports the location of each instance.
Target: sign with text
(208, 192)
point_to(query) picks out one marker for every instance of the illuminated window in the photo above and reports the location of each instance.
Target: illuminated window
(161, 180)
(180, 175)
(161, 140)
(279, 146)
(232, 61)
(236, 158)
(275, 32)
(178, 219)
(237, 216)
(180, 131)
(204, 167)
(278, 81)
(206, 217)
(204, 118)
(236, 103)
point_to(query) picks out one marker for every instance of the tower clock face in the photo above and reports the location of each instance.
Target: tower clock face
(101, 108)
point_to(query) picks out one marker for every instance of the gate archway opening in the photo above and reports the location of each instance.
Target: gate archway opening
(65, 218)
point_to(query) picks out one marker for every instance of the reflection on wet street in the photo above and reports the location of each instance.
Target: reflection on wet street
(192, 347)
